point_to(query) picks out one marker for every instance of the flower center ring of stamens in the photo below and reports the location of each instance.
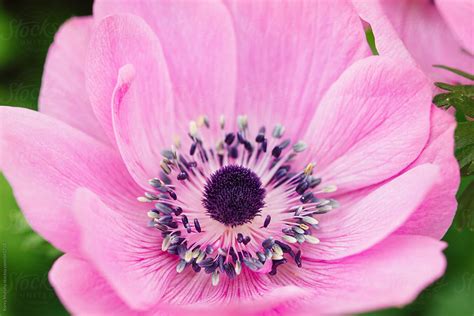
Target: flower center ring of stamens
(236, 203)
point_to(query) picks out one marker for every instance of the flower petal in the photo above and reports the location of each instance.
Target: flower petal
(406, 20)
(289, 53)
(82, 290)
(388, 41)
(248, 294)
(118, 41)
(142, 102)
(63, 89)
(458, 16)
(191, 291)
(199, 46)
(46, 160)
(435, 215)
(372, 123)
(128, 255)
(390, 274)
(373, 218)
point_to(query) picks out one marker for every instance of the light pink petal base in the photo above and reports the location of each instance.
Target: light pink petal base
(248, 294)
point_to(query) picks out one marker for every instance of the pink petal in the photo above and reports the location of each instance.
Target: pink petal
(390, 274)
(392, 20)
(63, 92)
(46, 160)
(289, 53)
(142, 102)
(248, 294)
(372, 123)
(118, 41)
(82, 290)
(127, 255)
(388, 41)
(458, 16)
(356, 228)
(435, 215)
(199, 46)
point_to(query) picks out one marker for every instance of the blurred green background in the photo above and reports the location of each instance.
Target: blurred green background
(27, 28)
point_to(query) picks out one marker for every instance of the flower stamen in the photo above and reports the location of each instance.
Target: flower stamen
(235, 204)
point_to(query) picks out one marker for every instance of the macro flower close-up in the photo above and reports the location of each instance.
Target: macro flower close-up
(239, 157)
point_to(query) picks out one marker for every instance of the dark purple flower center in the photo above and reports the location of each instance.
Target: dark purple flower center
(233, 195)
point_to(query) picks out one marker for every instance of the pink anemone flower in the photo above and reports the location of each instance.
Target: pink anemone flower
(238, 157)
(434, 32)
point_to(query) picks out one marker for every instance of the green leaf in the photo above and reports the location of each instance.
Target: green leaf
(465, 158)
(443, 100)
(445, 86)
(463, 103)
(456, 71)
(464, 138)
(469, 170)
(462, 98)
(464, 89)
(465, 213)
(464, 134)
